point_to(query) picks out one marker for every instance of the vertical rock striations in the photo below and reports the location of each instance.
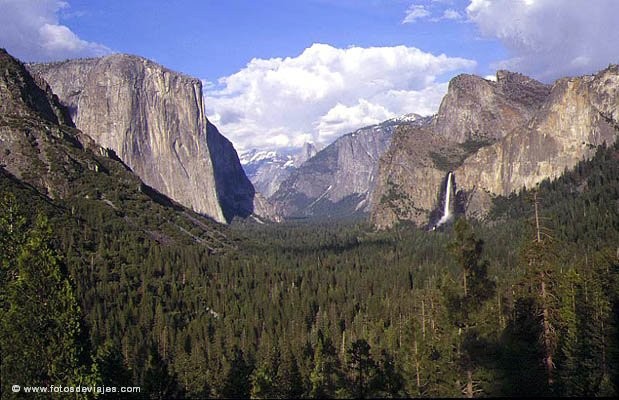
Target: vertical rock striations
(44, 157)
(474, 113)
(153, 118)
(497, 137)
(339, 179)
(478, 109)
(579, 115)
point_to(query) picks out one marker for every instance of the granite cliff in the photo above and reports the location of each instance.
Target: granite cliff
(478, 109)
(339, 179)
(579, 115)
(154, 120)
(44, 155)
(497, 137)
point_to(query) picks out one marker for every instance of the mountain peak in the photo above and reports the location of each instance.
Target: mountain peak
(496, 137)
(308, 151)
(23, 94)
(153, 118)
(478, 109)
(267, 169)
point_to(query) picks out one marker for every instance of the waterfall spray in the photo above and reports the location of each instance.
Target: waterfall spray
(447, 207)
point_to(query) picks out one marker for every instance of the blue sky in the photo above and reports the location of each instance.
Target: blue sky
(213, 38)
(280, 73)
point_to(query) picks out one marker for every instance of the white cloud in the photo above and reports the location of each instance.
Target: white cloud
(342, 118)
(31, 31)
(326, 92)
(434, 12)
(415, 12)
(451, 14)
(548, 39)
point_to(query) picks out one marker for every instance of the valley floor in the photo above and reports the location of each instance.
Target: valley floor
(500, 308)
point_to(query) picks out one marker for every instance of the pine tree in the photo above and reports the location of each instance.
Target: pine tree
(464, 307)
(264, 383)
(40, 322)
(289, 383)
(325, 377)
(540, 258)
(192, 372)
(362, 369)
(530, 339)
(159, 383)
(237, 382)
(110, 365)
(389, 381)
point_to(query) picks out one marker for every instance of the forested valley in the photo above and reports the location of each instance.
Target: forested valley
(525, 303)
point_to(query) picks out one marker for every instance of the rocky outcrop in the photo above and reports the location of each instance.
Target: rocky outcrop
(497, 138)
(236, 193)
(478, 109)
(308, 150)
(22, 94)
(408, 178)
(44, 155)
(339, 179)
(153, 118)
(579, 115)
(31, 120)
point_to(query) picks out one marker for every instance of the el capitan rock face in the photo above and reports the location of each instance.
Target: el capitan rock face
(496, 138)
(44, 155)
(153, 118)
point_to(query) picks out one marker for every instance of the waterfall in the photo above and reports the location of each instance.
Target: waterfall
(447, 207)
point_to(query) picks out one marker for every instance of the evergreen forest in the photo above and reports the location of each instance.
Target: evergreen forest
(525, 303)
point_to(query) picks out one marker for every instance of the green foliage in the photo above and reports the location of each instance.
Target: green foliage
(363, 369)
(325, 377)
(465, 305)
(316, 310)
(158, 382)
(40, 317)
(237, 383)
(110, 366)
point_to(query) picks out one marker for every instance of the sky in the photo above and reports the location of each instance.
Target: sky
(279, 73)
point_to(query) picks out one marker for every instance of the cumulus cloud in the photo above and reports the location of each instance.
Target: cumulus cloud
(415, 12)
(326, 92)
(451, 14)
(342, 118)
(551, 38)
(31, 31)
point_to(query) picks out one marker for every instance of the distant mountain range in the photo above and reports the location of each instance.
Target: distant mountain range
(495, 136)
(338, 180)
(268, 169)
